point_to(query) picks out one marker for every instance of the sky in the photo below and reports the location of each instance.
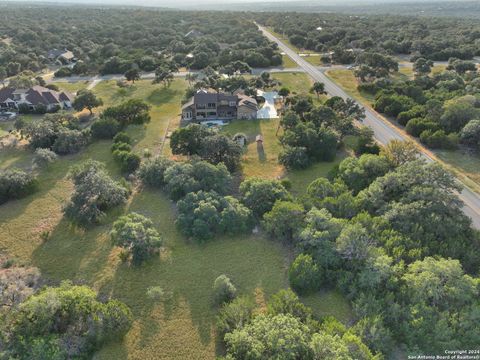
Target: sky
(188, 3)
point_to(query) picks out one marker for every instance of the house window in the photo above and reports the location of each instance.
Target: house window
(233, 103)
(211, 105)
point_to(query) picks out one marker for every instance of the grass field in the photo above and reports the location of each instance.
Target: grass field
(349, 83)
(287, 62)
(314, 60)
(72, 87)
(465, 162)
(181, 326)
(261, 161)
(5, 126)
(298, 83)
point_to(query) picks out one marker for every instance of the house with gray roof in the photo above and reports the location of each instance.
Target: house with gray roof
(64, 56)
(35, 97)
(206, 105)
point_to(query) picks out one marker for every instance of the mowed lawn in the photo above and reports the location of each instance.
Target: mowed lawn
(349, 83)
(298, 83)
(182, 325)
(71, 87)
(287, 62)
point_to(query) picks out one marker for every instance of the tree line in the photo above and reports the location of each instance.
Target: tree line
(114, 41)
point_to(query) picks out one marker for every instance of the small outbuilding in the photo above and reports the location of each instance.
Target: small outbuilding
(259, 139)
(240, 139)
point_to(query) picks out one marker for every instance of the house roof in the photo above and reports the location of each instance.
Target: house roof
(66, 96)
(56, 53)
(204, 97)
(6, 93)
(188, 104)
(193, 33)
(36, 95)
(247, 101)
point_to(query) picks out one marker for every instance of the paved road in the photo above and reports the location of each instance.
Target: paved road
(383, 132)
(150, 76)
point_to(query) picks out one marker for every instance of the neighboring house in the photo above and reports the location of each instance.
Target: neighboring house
(193, 34)
(205, 105)
(64, 56)
(36, 96)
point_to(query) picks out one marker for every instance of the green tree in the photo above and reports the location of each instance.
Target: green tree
(284, 220)
(137, 235)
(304, 275)
(358, 173)
(94, 193)
(235, 314)
(163, 74)
(399, 152)
(470, 134)
(132, 75)
(86, 99)
(15, 184)
(133, 111)
(152, 171)
(223, 290)
(422, 66)
(318, 88)
(280, 337)
(259, 195)
(105, 128)
(204, 214)
(64, 321)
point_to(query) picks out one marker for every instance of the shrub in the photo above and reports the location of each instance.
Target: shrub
(418, 125)
(105, 128)
(24, 109)
(438, 139)
(304, 274)
(63, 72)
(69, 141)
(470, 134)
(43, 157)
(155, 293)
(128, 161)
(369, 88)
(15, 184)
(223, 290)
(120, 146)
(152, 171)
(122, 137)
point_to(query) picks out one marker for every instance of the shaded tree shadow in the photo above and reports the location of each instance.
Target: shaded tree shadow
(161, 95)
(261, 152)
(74, 253)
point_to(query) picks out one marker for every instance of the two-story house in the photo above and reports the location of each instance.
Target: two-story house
(205, 105)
